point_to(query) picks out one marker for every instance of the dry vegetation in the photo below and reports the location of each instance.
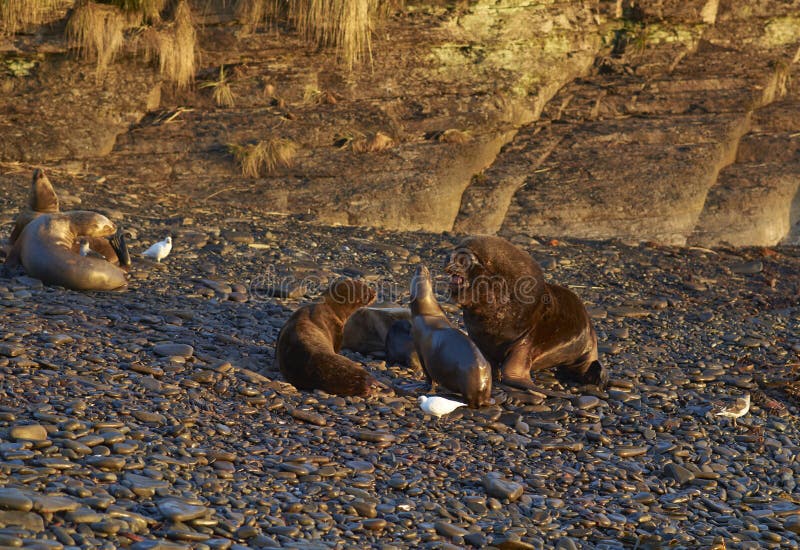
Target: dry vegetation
(454, 136)
(18, 14)
(375, 144)
(96, 31)
(144, 10)
(314, 96)
(222, 94)
(174, 45)
(345, 25)
(257, 159)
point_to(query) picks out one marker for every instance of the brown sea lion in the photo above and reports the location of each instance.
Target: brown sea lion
(45, 249)
(365, 331)
(309, 343)
(43, 199)
(447, 355)
(520, 322)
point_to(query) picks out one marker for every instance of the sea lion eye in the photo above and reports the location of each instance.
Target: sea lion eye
(463, 259)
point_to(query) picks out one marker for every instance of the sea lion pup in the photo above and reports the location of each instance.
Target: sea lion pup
(447, 355)
(366, 329)
(520, 322)
(45, 250)
(309, 343)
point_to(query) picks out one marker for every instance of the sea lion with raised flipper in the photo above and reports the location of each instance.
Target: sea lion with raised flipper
(45, 248)
(520, 322)
(366, 329)
(309, 343)
(447, 355)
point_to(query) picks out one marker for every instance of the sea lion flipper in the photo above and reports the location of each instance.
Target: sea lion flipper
(596, 374)
(12, 256)
(516, 370)
(120, 247)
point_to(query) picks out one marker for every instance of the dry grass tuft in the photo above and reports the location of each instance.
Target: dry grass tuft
(345, 25)
(95, 30)
(314, 96)
(264, 157)
(253, 14)
(223, 96)
(454, 136)
(174, 46)
(17, 14)
(142, 10)
(377, 143)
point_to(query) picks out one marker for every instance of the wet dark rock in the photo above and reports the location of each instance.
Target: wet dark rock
(503, 489)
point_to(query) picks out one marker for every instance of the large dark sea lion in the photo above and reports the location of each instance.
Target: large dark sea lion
(46, 245)
(520, 322)
(309, 343)
(447, 355)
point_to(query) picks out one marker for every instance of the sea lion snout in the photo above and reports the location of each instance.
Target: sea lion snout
(421, 283)
(460, 266)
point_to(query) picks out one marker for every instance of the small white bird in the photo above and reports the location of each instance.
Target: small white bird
(85, 248)
(86, 251)
(160, 250)
(737, 409)
(438, 406)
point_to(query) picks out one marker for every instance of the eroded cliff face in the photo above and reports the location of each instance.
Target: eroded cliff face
(677, 122)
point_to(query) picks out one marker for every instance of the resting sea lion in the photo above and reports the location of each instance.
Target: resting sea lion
(400, 345)
(520, 322)
(447, 355)
(45, 249)
(366, 329)
(309, 343)
(42, 199)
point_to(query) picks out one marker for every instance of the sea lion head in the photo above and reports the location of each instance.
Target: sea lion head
(90, 224)
(347, 295)
(43, 197)
(421, 288)
(487, 269)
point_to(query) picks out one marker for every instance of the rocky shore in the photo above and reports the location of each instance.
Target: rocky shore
(154, 418)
